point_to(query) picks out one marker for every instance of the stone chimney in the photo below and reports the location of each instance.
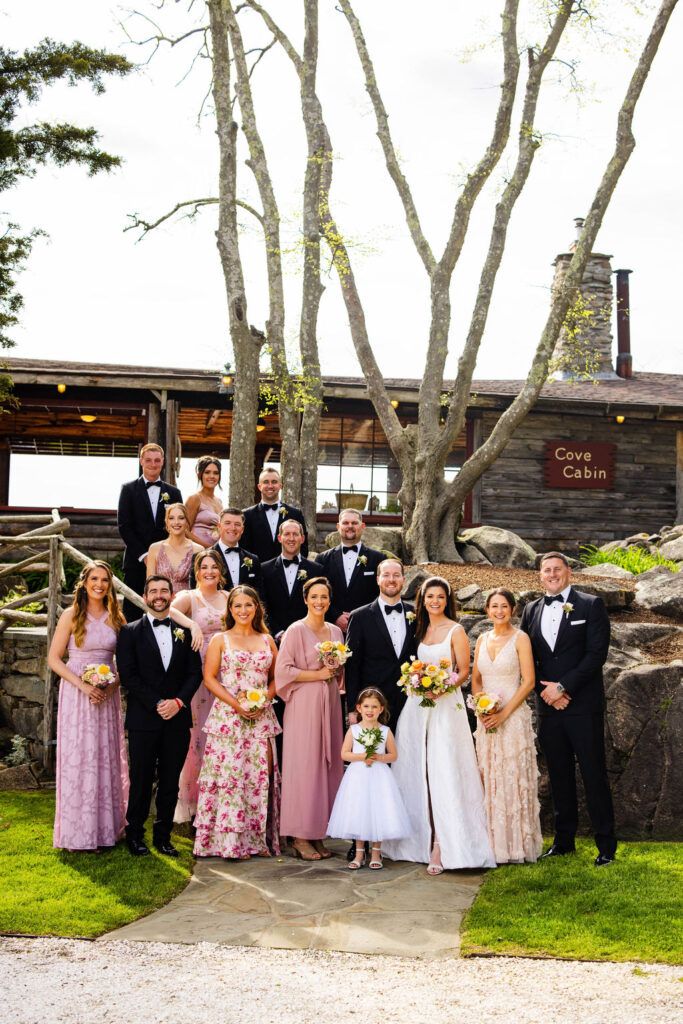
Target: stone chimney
(584, 348)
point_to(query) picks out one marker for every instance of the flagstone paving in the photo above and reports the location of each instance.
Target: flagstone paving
(283, 903)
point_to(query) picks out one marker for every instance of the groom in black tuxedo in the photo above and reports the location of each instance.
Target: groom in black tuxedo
(262, 521)
(141, 519)
(569, 635)
(160, 673)
(381, 636)
(351, 568)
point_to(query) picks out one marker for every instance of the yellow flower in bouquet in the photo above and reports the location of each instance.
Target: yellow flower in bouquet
(103, 670)
(326, 647)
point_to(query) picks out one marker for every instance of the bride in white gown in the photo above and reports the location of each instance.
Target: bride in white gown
(436, 770)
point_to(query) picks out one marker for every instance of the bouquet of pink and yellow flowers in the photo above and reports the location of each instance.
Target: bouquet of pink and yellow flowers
(427, 680)
(484, 704)
(97, 675)
(332, 654)
(253, 699)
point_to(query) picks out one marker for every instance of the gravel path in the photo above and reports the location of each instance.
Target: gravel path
(59, 981)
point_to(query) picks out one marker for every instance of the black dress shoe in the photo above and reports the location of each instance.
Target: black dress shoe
(554, 851)
(166, 849)
(603, 859)
(137, 847)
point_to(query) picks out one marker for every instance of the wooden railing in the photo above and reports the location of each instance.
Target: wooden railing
(41, 559)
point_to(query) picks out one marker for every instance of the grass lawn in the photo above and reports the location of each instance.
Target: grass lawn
(566, 907)
(51, 892)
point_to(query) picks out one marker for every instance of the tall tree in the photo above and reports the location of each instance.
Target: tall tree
(23, 76)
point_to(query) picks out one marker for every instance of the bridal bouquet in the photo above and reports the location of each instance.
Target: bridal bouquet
(332, 654)
(253, 699)
(98, 675)
(427, 680)
(484, 704)
(371, 740)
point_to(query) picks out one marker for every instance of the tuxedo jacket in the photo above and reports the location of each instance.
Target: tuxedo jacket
(142, 674)
(362, 588)
(257, 536)
(283, 608)
(373, 661)
(579, 654)
(137, 526)
(249, 574)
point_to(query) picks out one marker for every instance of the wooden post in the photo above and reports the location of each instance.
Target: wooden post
(54, 608)
(171, 446)
(154, 423)
(4, 473)
(679, 476)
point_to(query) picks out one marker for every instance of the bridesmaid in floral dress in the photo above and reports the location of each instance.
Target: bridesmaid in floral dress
(173, 557)
(204, 508)
(206, 606)
(506, 751)
(92, 771)
(238, 810)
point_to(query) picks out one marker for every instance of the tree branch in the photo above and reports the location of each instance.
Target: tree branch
(147, 226)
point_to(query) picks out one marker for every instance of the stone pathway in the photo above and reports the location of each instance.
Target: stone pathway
(283, 903)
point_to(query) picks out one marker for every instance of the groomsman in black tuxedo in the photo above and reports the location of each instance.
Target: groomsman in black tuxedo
(351, 568)
(241, 565)
(141, 515)
(569, 635)
(283, 579)
(262, 521)
(160, 673)
(381, 636)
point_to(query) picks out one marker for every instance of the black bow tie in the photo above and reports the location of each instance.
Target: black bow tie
(555, 597)
(152, 483)
(290, 561)
(161, 622)
(389, 608)
(229, 551)
(271, 507)
(351, 547)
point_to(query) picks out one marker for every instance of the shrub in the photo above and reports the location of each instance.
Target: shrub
(635, 559)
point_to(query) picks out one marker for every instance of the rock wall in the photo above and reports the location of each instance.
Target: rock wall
(23, 663)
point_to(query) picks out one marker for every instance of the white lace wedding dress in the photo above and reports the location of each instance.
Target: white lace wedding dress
(435, 745)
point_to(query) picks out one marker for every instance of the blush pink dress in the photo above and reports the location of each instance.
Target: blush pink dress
(210, 621)
(205, 524)
(238, 808)
(92, 771)
(180, 575)
(312, 738)
(507, 762)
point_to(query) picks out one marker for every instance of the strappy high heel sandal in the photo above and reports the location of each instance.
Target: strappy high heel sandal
(435, 869)
(376, 858)
(358, 861)
(306, 851)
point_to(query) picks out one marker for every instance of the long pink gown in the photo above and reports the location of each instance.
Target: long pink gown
(92, 770)
(238, 809)
(205, 525)
(180, 575)
(210, 622)
(312, 766)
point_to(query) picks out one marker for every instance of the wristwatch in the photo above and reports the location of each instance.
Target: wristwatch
(560, 687)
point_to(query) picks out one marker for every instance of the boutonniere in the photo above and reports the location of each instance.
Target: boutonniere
(362, 560)
(282, 511)
(302, 574)
(249, 562)
(165, 496)
(567, 608)
(410, 616)
(179, 634)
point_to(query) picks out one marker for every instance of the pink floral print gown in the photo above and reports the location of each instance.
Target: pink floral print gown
(238, 808)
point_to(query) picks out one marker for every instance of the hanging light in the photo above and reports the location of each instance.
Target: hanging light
(620, 419)
(61, 388)
(394, 403)
(226, 380)
(260, 425)
(88, 417)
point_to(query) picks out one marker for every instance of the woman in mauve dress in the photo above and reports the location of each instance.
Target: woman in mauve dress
(312, 728)
(203, 507)
(206, 606)
(173, 557)
(92, 771)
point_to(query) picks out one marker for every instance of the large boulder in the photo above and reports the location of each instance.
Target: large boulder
(672, 549)
(662, 595)
(381, 538)
(614, 595)
(500, 547)
(469, 553)
(608, 569)
(671, 532)
(471, 598)
(415, 577)
(635, 634)
(656, 570)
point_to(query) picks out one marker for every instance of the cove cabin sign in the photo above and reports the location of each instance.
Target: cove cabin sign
(578, 464)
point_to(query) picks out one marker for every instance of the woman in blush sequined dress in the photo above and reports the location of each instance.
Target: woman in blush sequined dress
(238, 807)
(203, 507)
(173, 557)
(92, 771)
(506, 750)
(206, 605)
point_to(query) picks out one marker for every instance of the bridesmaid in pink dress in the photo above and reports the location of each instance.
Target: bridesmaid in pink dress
(204, 508)
(206, 606)
(312, 728)
(173, 557)
(92, 771)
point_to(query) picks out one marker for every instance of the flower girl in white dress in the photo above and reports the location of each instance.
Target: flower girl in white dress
(368, 807)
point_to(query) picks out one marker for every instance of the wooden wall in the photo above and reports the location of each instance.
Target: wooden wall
(643, 499)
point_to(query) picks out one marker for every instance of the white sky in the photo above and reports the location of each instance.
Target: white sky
(93, 294)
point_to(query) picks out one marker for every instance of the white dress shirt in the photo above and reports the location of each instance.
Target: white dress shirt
(349, 559)
(164, 639)
(273, 517)
(290, 573)
(232, 559)
(154, 494)
(551, 619)
(396, 624)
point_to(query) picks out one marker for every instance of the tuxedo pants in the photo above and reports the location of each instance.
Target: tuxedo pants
(565, 739)
(162, 752)
(134, 576)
